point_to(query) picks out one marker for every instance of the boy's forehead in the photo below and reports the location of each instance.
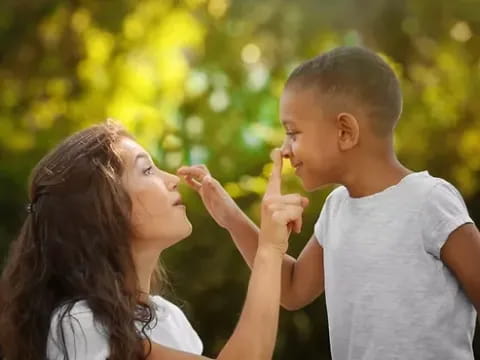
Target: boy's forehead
(297, 104)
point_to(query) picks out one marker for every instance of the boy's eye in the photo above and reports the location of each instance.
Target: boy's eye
(291, 134)
(148, 171)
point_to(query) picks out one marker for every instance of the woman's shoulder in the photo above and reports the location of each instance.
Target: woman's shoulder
(172, 327)
(75, 315)
(81, 313)
(73, 329)
(78, 311)
(84, 335)
(165, 308)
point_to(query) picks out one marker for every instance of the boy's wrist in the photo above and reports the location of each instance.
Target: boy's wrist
(270, 250)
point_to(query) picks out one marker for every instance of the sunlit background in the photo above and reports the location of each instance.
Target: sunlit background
(198, 81)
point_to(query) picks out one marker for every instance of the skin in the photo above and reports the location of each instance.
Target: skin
(160, 221)
(154, 196)
(328, 146)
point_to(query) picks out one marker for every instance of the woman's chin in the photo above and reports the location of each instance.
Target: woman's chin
(189, 228)
(185, 230)
(181, 234)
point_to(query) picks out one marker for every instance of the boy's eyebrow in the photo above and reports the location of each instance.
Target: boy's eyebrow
(286, 122)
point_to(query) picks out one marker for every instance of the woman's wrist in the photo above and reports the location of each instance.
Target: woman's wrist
(237, 221)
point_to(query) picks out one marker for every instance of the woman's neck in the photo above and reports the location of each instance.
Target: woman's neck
(145, 260)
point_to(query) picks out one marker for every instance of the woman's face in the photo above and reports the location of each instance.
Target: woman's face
(158, 215)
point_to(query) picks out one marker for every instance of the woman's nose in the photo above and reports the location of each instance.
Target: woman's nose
(172, 181)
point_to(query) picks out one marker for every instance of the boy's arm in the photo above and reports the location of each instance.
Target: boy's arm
(302, 278)
(461, 253)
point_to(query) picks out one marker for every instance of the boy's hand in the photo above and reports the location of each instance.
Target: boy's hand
(218, 202)
(280, 213)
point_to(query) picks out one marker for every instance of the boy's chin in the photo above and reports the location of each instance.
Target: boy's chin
(313, 184)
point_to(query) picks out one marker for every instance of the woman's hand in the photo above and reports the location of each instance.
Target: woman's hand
(218, 202)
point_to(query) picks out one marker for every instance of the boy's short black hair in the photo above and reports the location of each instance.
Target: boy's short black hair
(355, 74)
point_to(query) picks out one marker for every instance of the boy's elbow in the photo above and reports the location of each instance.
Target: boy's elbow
(292, 305)
(297, 302)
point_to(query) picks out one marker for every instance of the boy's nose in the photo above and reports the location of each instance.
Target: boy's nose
(286, 150)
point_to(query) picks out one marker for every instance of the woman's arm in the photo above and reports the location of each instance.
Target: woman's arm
(255, 334)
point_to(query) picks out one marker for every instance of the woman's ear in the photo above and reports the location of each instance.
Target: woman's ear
(348, 131)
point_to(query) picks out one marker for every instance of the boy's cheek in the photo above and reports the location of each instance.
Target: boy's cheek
(296, 148)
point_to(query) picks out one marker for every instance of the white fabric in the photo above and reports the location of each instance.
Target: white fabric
(388, 294)
(86, 339)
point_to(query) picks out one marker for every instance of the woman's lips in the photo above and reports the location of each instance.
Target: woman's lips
(179, 202)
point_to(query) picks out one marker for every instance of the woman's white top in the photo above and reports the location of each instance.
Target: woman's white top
(86, 339)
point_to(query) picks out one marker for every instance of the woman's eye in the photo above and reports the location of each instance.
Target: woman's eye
(148, 171)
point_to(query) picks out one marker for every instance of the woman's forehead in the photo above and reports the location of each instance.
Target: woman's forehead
(129, 149)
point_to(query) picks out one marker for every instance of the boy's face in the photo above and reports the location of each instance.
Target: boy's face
(311, 138)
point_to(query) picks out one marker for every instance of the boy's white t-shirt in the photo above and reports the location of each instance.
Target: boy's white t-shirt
(388, 294)
(86, 339)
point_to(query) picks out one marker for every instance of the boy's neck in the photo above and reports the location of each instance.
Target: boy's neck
(373, 175)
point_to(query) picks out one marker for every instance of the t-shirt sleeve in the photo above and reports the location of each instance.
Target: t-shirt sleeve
(84, 339)
(443, 212)
(329, 207)
(320, 224)
(190, 341)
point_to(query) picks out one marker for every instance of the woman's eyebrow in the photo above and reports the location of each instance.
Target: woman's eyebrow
(142, 156)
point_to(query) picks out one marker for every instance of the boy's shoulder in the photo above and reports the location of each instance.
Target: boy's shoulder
(339, 193)
(336, 197)
(424, 185)
(417, 186)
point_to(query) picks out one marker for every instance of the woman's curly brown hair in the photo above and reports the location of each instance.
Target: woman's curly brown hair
(74, 245)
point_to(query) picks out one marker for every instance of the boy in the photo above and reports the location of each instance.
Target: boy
(395, 251)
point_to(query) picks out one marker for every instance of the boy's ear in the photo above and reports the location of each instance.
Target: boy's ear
(348, 131)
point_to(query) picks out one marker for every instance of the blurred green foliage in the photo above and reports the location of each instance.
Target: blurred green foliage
(198, 81)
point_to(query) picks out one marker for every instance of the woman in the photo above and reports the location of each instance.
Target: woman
(78, 279)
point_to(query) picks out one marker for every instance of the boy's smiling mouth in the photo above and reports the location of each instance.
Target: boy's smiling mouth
(297, 166)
